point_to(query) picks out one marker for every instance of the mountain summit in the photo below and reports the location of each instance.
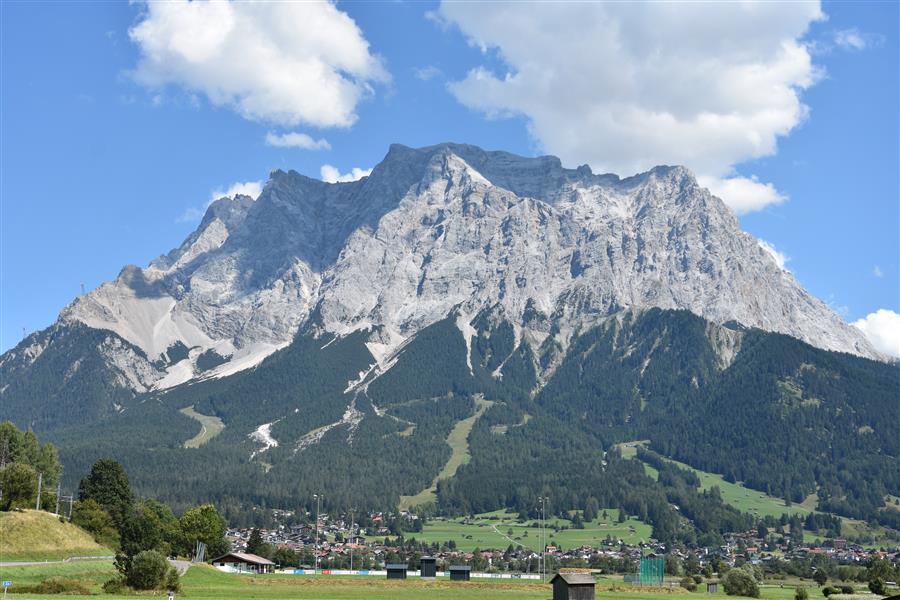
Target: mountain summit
(433, 231)
(553, 313)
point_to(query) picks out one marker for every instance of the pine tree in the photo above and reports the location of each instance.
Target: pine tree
(255, 543)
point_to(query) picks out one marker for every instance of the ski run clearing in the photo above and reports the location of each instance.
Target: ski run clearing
(210, 427)
(458, 440)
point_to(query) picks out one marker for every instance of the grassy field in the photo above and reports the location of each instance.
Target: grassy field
(37, 535)
(499, 529)
(210, 427)
(205, 582)
(458, 440)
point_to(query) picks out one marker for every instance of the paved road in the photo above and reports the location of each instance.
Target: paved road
(51, 562)
(180, 565)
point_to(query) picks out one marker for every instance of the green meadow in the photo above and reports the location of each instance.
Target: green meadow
(499, 529)
(210, 427)
(206, 582)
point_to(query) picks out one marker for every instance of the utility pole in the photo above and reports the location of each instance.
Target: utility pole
(544, 500)
(541, 537)
(351, 540)
(318, 498)
(58, 490)
(37, 505)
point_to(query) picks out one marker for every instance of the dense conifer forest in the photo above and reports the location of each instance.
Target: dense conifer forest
(764, 409)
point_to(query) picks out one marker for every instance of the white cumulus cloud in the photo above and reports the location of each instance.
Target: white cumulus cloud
(333, 175)
(779, 257)
(244, 188)
(743, 194)
(882, 328)
(295, 139)
(280, 62)
(877, 272)
(626, 86)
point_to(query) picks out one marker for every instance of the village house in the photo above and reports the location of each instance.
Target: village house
(242, 562)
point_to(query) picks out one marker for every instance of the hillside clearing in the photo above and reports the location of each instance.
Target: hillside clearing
(742, 498)
(210, 427)
(458, 440)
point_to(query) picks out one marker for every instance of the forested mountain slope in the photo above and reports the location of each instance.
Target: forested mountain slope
(762, 408)
(336, 334)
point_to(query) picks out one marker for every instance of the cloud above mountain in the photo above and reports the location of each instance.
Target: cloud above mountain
(882, 327)
(244, 188)
(295, 139)
(286, 63)
(626, 86)
(332, 174)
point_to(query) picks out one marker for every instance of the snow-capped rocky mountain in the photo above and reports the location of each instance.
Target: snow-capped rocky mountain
(434, 231)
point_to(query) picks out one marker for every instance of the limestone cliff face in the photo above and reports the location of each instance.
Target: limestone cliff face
(440, 230)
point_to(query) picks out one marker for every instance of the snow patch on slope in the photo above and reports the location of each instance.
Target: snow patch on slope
(468, 332)
(352, 417)
(263, 435)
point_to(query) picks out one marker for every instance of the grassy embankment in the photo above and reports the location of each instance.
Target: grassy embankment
(36, 535)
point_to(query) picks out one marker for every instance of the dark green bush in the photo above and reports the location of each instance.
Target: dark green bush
(738, 582)
(828, 590)
(148, 571)
(55, 585)
(116, 585)
(172, 581)
(688, 584)
(801, 594)
(876, 586)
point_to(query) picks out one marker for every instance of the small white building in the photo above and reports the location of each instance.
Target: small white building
(243, 562)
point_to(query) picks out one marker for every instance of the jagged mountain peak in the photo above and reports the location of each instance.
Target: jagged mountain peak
(443, 228)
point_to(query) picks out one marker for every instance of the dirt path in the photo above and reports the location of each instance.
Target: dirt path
(504, 536)
(181, 566)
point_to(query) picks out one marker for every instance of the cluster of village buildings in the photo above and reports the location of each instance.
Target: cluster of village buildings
(380, 546)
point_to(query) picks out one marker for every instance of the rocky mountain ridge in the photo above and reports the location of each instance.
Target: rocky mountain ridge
(434, 231)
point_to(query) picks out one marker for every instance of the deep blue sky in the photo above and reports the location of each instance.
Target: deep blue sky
(96, 169)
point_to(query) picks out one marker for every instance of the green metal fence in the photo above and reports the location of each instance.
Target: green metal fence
(653, 572)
